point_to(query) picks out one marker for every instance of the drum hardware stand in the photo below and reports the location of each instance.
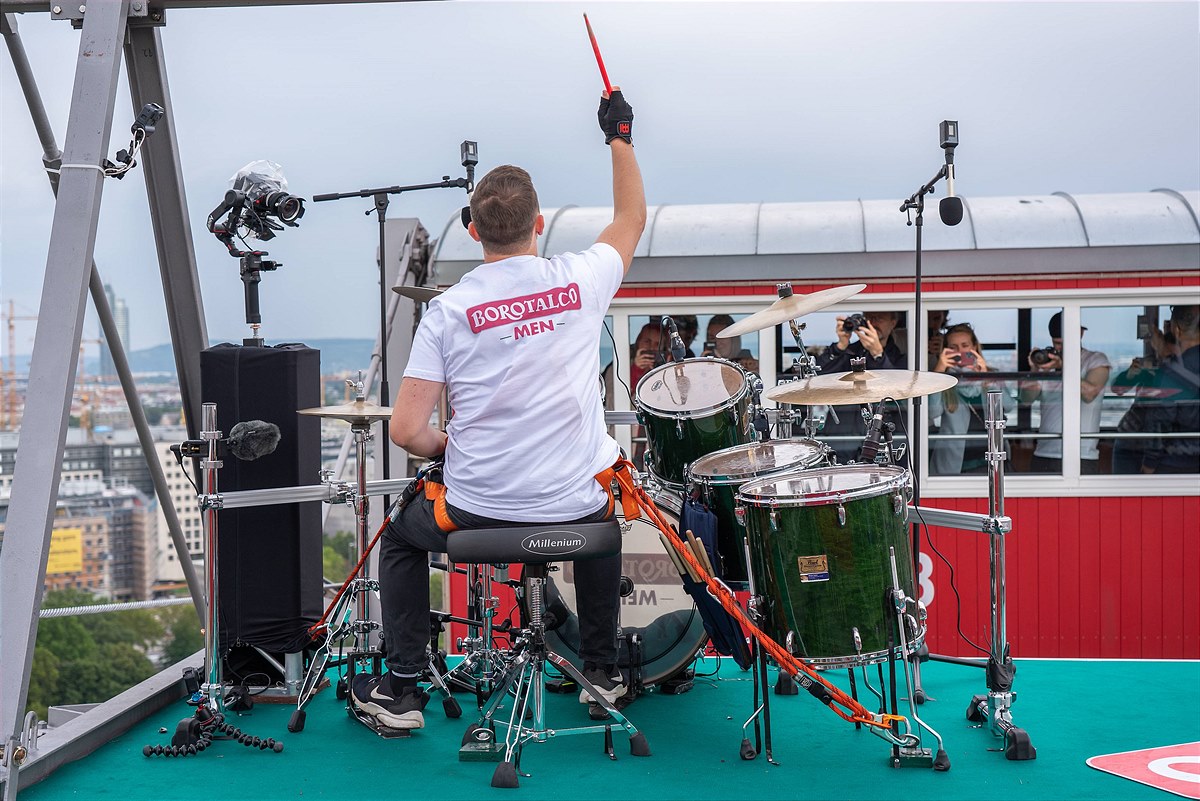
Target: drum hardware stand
(909, 756)
(195, 734)
(356, 594)
(482, 661)
(995, 706)
(469, 151)
(525, 681)
(762, 733)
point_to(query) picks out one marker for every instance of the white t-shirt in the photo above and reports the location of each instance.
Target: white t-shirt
(1089, 412)
(517, 343)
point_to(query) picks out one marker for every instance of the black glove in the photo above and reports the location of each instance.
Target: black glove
(616, 118)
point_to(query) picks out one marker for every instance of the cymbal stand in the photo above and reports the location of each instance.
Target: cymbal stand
(193, 735)
(356, 601)
(805, 366)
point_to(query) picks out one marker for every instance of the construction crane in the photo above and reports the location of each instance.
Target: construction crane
(8, 385)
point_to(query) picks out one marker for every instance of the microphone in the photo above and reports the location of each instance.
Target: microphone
(950, 209)
(870, 446)
(678, 352)
(251, 439)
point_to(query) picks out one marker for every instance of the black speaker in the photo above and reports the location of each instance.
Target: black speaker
(269, 557)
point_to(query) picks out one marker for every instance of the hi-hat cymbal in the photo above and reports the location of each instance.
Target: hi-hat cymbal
(358, 412)
(421, 294)
(869, 386)
(789, 308)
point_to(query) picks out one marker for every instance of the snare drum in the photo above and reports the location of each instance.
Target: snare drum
(718, 475)
(819, 543)
(658, 608)
(689, 409)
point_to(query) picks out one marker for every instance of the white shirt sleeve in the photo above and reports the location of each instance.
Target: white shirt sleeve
(427, 359)
(607, 269)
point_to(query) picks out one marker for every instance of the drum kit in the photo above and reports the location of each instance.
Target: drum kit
(822, 549)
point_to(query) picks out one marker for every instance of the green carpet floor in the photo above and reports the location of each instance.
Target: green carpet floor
(1072, 710)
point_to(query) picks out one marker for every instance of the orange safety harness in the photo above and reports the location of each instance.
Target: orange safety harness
(634, 498)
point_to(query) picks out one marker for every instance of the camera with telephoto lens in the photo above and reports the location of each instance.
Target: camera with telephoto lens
(853, 323)
(1042, 356)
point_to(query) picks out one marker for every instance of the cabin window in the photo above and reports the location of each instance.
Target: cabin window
(1149, 409)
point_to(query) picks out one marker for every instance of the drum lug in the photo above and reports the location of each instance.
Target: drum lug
(679, 426)
(789, 642)
(841, 515)
(899, 506)
(739, 512)
(857, 640)
(774, 516)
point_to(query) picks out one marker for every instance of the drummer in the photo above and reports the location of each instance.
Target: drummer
(490, 347)
(874, 341)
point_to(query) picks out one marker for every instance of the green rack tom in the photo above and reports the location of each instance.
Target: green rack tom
(717, 477)
(820, 545)
(689, 409)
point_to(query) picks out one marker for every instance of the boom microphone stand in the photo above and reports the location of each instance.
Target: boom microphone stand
(470, 157)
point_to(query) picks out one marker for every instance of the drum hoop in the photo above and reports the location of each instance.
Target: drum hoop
(707, 411)
(728, 479)
(828, 497)
(868, 658)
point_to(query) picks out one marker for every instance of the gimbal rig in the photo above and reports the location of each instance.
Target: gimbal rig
(256, 200)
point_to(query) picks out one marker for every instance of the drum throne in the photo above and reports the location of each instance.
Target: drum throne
(517, 704)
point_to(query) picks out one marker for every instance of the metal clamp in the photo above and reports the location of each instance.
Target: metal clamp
(211, 502)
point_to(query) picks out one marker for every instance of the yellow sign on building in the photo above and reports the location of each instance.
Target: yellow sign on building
(66, 551)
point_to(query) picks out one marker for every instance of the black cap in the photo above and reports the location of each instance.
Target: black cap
(1055, 326)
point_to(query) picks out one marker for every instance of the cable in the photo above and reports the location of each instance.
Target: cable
(179, 459)
(616, 364)
(940, 555)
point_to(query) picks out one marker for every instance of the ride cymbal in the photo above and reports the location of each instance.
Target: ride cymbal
(789, 308)
(868, 386)
(361, 411)
(421, 294)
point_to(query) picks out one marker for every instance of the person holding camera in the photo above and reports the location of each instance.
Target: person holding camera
(1094, 368)
(959, 410)
(1140, 378)
(1177, 410)
(489, 342)
(729, 348)
(875, 342)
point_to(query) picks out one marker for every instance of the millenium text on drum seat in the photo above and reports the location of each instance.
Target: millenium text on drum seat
(514, 310)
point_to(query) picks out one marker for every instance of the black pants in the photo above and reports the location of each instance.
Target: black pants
(404, 587)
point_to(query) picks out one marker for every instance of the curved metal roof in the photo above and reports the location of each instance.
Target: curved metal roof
(794, 236)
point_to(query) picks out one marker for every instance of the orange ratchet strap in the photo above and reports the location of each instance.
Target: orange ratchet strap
(805, 674)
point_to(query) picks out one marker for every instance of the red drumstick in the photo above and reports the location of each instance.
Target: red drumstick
(599, 60)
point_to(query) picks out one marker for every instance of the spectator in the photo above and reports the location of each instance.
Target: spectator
(1178, 408)
(1094, 370)
(960, 409)
(729, 348)
(1140, 377)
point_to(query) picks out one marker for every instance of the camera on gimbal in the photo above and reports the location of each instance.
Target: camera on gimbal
(1042, 356)
(853, 323)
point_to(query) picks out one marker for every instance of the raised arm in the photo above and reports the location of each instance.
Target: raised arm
(629, 197)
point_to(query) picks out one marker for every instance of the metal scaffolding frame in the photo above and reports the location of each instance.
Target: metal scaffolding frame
(109, 29)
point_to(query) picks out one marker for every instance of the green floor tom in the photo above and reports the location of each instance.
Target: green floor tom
(820, 542)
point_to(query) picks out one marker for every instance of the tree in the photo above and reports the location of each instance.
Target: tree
(184, 636)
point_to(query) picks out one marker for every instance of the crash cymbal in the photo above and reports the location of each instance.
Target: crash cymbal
(869, 386)
(358, 412)
(789, 308)
(421, 294)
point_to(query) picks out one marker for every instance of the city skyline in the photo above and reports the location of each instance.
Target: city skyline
(746, 102)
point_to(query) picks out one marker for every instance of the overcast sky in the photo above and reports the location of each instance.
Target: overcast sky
(734, 102)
